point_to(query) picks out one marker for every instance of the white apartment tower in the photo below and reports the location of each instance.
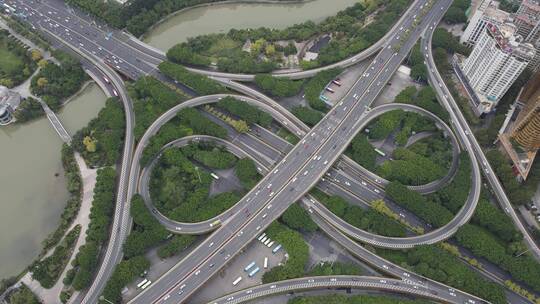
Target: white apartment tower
(487, 13)
(496, 61)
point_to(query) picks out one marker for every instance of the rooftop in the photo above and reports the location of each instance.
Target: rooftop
(510, 43)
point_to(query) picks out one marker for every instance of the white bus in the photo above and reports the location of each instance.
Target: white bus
(381, 153)
(278, 247)
(264, 239)
(270, 244)
(146, 284)
(214, 176)
(265, 262)
(249, 266)
(142, 283)
(253, 272)
(235, 282)
(261, 236)
(266, 243)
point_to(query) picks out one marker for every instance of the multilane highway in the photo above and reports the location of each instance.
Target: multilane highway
(277, 148)
(336, 182)
(131, 57)
(296, 173)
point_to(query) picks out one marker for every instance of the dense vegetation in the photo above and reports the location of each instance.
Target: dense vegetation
(423, 161)
(416, 62)
(456, 12)
(398, 120)
(177, 244)
(86, 261)
(307, 115)
(439, 265)
(181, 190)
(48, 270)
(151, 98)
(189, 121)
(362, 152)
(100, 142)
(201, 84)
(438, 208)
(28, 109)
(297, 218)
(351, 34)
(200, 124)
(427, 210)
(278, 87)
(357, 299)
(517, 193)
(146, 233)
(247, 173)
(54, 83)
(248, 113)
(23, 295)
(16, 62)
(484, 244)
(294, 245)
(369, 220)
(425, 98)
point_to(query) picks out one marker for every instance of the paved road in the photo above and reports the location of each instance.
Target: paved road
(120, 228)
(333, 282)
(133, 58)
(465, 133)
(336, 182)
(296, 173)
(296, 126)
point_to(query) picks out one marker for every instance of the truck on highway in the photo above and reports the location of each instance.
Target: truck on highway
(249, 266)
(253, 272)
(215, 223)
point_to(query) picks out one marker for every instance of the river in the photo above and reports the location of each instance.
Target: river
(32, 187)
(220, 18)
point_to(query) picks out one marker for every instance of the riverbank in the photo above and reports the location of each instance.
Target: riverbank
(222, 16)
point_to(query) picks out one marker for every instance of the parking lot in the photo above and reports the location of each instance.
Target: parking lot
(222, 283)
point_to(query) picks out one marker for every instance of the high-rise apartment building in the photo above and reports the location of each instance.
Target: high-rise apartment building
(496, 60)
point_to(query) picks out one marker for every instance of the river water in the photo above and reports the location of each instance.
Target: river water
(220, 18)
(32, 187)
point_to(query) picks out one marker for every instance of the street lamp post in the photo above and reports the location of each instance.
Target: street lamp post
(102, 298)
